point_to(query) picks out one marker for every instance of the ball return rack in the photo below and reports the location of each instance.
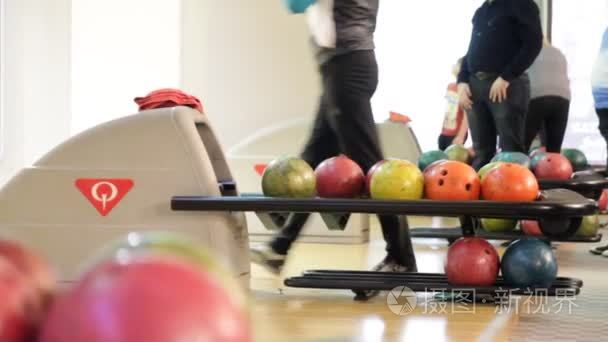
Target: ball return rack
(589, 184)
(559, 212)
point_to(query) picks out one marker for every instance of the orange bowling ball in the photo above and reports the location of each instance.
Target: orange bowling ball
(510, 182)
(451, 181)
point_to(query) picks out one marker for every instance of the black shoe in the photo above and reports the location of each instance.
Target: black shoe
(266, 257)
(386, 265)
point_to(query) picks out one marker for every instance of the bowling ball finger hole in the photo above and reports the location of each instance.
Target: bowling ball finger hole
(444, 172)
(468, 187)
(487, 251)
(441, 182)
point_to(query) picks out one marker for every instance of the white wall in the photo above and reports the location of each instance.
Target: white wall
(37, 73)
(121, 50)
(249, 62)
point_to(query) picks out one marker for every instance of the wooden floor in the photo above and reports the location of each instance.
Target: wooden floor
(289, 314)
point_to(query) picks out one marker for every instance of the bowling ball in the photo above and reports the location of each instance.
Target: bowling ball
(603, 202)
(509, 182)
(35, 269)
(537, 150)
(498, 225)
(18, 308)
(553, 166)
(428, 158)
(536, 158)
(472, 261)
(486, 168)
(531, 228)
(589, 226)
(512, 157)
(171, 244)
(339, 177)
(529, 262)
(451, 181)
(576, 157)
(370, 173)
(458, 153)
(288, 177)
(397, 180)
(149, 299)
(434, 164)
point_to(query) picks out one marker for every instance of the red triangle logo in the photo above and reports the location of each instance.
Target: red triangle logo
(259, 168)
(104, 194)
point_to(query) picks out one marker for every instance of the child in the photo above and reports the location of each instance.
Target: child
(455, 124)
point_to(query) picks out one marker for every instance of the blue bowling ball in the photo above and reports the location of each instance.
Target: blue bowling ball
(298, 6)
(529, 262)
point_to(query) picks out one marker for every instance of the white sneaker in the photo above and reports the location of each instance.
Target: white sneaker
(266, 257)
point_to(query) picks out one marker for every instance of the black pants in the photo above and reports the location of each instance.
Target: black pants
(602, 114)
(550, 112)
(506, 119)
(345, 124)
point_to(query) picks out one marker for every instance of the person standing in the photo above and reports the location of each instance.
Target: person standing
(492, 85)
(343, 37)
(550, 99)
(599, 84)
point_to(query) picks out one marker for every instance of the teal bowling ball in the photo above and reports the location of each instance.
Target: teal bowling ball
(538, 156)
(512, 157)
(577, 158)
(529, 262)
(428, 158)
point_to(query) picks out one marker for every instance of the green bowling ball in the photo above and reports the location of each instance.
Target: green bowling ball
(576, 157)
(428, 158)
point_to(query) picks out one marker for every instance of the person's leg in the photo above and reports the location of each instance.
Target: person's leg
(556, 121)
(510, 115)
(534, 120)
(542, 135)
(355, 82)
(481, 124)
(444, 142)
(321, 145)
(602, 114)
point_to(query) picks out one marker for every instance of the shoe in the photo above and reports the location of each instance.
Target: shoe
(605, 253)
(266, 257)
(599, 250)
(386, 265)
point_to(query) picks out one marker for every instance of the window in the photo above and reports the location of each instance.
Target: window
(417, 42)
(2, 73)
(577, 31)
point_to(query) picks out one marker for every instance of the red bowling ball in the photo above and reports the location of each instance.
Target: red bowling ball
(339, 177)
(472, 261)
(554, 166)
(147, 299)
(603, 202)
(531, 228)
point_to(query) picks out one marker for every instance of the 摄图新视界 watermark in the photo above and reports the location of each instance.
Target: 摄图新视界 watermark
(402, 300)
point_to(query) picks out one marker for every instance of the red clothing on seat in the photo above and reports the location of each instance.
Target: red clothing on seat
(165, 98)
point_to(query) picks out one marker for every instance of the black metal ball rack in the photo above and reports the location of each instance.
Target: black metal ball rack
(588, 183)
(559, 212)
